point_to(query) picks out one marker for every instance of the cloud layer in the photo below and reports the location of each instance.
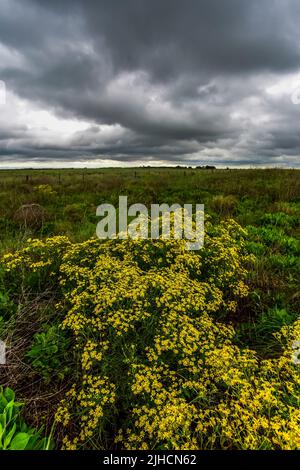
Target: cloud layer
(150, 82)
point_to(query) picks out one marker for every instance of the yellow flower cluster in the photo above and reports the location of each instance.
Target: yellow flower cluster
(92, 352)
(159, 367)
(36, 255)
(224, 398)
(88, 403)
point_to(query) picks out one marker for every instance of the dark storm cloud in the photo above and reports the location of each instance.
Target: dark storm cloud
(183, 82)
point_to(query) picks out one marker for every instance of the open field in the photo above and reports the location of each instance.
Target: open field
(70, 197)
(123, 344)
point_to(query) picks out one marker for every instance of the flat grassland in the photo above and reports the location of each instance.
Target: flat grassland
(70, 197)
(143, 345)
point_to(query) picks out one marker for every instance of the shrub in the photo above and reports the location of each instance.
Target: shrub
(126, 303)
(160, 367)
(45, 193)
(35, 266)
(74, 212)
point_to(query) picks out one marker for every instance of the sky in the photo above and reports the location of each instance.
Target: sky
(149, 82)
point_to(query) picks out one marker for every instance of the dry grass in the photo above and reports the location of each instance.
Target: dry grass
(18, 374)
(30, 216)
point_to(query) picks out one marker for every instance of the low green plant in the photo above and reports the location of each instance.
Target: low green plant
(288, 263)
(259, 333)
(74, 212)
(45, 193)
(279, 219)
(48, 353)
(275, 238)
(14, 432)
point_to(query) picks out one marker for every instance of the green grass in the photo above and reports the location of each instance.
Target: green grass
(70, 197)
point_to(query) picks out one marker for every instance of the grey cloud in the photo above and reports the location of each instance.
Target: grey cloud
(169, 77)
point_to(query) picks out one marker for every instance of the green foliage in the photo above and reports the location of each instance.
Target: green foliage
(257, 248)
(48, 353)
(276, 245)
(280, 219)
(74, 212)
(259, 334)
(14, 432)
(287, 263)
(276, 237)
(45, 193)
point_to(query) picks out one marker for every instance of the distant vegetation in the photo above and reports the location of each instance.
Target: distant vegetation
(143, 344)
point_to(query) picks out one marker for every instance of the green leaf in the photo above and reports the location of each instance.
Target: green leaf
(9, 436)
(3, 402)
(1, 432)
(20, 441)
(9, 394)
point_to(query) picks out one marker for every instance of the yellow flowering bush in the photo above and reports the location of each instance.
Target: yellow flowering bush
(35, 263)
(45, 191)
(158, 366)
